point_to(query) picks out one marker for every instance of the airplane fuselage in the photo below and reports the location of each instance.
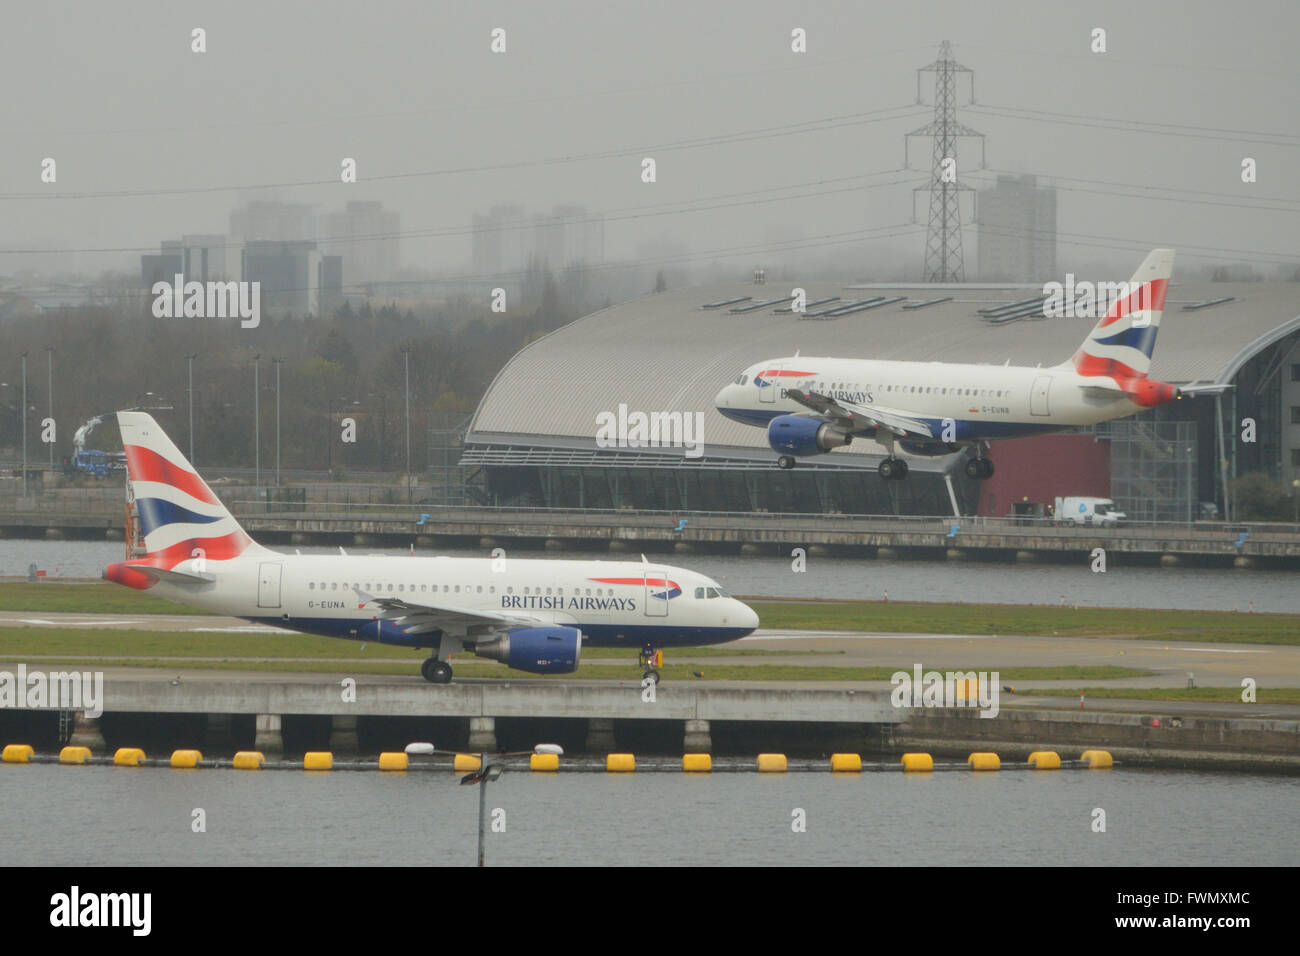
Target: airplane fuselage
(613, 603)
(975, 402)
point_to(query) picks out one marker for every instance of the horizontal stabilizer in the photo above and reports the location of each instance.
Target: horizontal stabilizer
(173, 576)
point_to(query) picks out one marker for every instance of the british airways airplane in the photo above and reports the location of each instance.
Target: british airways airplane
(812, 405)
(533, 615)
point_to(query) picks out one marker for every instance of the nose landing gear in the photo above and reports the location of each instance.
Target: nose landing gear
(651, 660)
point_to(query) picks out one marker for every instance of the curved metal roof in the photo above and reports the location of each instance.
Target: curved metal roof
(665, 352)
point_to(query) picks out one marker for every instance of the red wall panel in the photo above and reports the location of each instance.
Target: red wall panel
(1044, 468)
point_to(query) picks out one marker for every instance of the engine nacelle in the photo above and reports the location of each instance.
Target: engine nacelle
(538, 650)
(1149, 393)
(799, 435)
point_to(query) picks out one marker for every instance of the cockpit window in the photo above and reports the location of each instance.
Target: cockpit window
(699, 593)
(716, 593)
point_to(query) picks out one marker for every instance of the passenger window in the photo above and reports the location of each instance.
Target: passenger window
(311, 586)
(480, 589)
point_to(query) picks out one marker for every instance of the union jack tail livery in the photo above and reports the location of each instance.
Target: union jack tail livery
(1120, 346)
(185, 526)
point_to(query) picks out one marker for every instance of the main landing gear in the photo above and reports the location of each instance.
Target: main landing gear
(977, 469)
(892, 469)
(651, 660)
(785, 461)
(436, 671)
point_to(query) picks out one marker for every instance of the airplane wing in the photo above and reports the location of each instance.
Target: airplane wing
(862, 417)
(417, 618)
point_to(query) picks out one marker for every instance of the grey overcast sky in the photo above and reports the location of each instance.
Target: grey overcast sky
(412, 92)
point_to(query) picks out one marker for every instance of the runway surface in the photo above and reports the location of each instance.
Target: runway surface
(1211, 665)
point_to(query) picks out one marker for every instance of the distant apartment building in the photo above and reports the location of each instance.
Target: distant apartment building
(1016, 231)
(294, 276)
(505, 239)
(569, 235)
(365, 235)
(275, 221)
(162, 267)
(498, 241)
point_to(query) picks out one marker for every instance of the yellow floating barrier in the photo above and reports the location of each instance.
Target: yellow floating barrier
(967, 690)
(771, 763)
(128, 757)
(917, 763)
(16, 753)
(393, 761)
(186, 759)
(984, 761)
(465, 763)
(1045, 760)
(544, 763)
(1098, 759)
(846, 763)
(318, 760)
(697, 763)
(620, 763)
(74, 755)
(249, 760)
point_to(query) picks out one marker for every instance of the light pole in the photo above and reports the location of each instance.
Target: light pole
(277, 362)
(49, 355)
(491, 766)
(406, 359)
(1295, 495)
(24, 424)
(257, 423)
(189, 360)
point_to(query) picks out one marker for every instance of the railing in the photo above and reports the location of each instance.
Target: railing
(109, 503)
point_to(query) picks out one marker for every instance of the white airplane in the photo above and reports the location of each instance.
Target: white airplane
(533, 615)
(812, 405)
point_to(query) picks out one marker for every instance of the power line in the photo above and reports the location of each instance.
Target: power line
(1110, 242)
(726, 252)
(742, 136)
(1140, 126)
(1180, 199)
(617, 215)
(1140, 186)
(803, 65)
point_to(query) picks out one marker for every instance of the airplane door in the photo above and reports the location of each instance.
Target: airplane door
(268, 585)
(656, 594)
(1038, 395)
(768, 393)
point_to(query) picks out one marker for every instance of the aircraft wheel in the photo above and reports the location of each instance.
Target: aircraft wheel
(786, 462)
(887, 469)
(436, 671)
(974, 469)
(988, 467)
(900, 470)
(651, 674)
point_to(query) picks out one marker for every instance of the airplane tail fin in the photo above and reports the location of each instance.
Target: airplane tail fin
(180, 517)
(1121, 344)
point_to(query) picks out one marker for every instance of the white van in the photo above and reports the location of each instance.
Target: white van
(1094, 512)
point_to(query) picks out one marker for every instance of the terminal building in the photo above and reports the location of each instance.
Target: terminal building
(533, 440)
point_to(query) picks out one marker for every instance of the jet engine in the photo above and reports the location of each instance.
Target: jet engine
(538, 650)
(799, 435)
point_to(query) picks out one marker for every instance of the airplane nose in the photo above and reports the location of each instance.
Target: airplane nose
(723, 398)
(746, 616)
